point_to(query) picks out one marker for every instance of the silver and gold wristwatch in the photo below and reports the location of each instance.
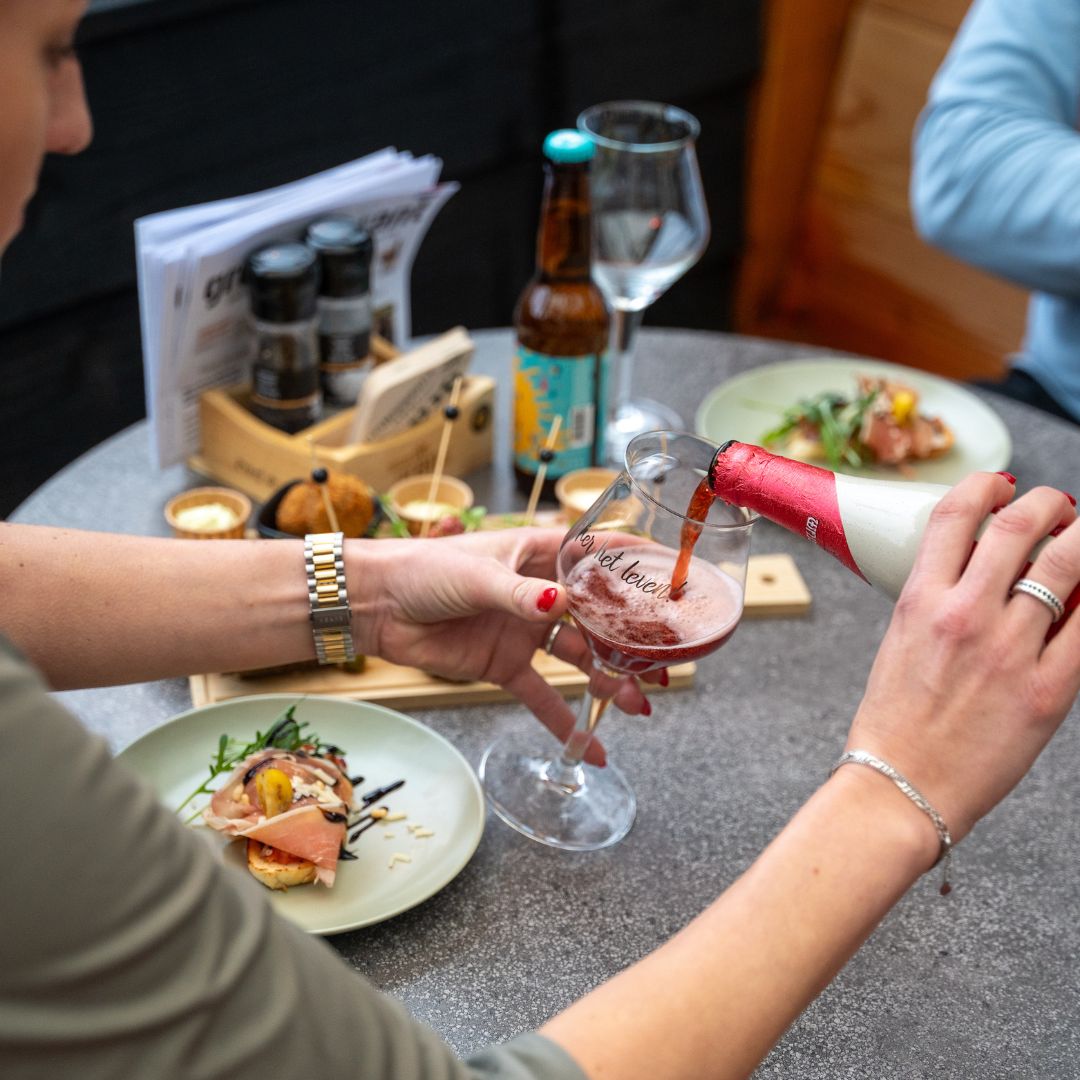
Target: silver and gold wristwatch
(331, 620)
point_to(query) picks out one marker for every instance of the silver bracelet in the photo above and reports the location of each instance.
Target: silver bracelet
(864, 757)
(331, 621)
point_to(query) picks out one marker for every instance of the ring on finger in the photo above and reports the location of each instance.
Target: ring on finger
(552, 634)
(1041, 593)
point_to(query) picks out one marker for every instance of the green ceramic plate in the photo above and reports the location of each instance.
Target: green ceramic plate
(748, 405)
(441, 792)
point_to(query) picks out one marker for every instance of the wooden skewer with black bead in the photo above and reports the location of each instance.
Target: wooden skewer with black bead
(450, 414)
(319, 477)
(546, 456)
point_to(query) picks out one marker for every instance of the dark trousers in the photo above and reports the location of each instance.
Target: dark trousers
(1020, 386)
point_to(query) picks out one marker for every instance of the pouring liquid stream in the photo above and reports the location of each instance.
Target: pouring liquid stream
(696, 513)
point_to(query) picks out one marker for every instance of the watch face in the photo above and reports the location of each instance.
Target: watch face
(331, 618)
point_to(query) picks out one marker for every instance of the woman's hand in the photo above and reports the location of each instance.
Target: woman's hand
(966, 691)
(476, 606)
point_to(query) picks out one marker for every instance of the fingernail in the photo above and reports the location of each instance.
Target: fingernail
(664, 680)
(646, 709)
(1057, 530)
(547, 599)
(1071, 498)
(1008, 476)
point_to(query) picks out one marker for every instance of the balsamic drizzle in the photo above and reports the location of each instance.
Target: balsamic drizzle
(368, 822)
(378, 793)
(366, 819)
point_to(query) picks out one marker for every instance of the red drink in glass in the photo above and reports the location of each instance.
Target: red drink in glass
(631, 619)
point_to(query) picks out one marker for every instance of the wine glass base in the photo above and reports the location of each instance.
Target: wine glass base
(531, 793)
(632, 418)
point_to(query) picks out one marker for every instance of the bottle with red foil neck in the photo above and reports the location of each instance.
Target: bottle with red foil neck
(872, 526)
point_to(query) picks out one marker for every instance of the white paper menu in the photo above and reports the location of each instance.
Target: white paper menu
(193, 305)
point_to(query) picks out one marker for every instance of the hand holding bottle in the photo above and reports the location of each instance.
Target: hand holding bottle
(966, 691)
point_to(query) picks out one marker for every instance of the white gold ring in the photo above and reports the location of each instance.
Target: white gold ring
(552, 634)
(1041, 593)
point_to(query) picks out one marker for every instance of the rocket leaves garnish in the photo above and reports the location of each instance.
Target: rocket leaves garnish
(286, 733)
(834, 420)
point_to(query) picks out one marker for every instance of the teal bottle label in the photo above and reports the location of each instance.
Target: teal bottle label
(564, 386)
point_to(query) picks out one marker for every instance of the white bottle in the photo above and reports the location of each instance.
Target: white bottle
(872, 526)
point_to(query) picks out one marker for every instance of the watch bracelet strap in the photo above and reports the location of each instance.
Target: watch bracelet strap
(944, 859)
(331, 619)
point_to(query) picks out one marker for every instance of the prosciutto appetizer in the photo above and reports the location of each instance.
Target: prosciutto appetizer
(292, 807)
(881, 424)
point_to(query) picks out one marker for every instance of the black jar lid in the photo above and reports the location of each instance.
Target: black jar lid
(344, 248)
(283, 280)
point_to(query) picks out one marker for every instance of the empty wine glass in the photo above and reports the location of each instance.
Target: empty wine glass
(617, 563)
(650, 225)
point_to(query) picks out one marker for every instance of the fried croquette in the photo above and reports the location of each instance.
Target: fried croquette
(302, 510)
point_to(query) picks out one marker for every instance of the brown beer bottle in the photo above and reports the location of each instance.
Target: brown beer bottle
(562, 327)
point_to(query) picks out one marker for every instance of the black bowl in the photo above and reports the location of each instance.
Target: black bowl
(267, 516)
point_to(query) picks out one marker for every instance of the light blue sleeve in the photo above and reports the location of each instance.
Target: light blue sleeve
(996, 178)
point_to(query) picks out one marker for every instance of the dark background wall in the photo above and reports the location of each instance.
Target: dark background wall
(201, 99)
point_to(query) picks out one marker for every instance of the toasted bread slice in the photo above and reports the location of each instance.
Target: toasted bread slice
(943, 439)
(278, 875)
(804, 447)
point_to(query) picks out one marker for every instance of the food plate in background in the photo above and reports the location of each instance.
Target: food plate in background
(750, 404)
(441, 792)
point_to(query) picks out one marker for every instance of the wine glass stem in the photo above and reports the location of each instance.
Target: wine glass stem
(592, 708)
(624, 337)
(566, 770)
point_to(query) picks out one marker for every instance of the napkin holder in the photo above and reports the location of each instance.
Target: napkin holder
(240, 450)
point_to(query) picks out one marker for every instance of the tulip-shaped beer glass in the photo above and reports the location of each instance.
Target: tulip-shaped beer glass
(650, 225)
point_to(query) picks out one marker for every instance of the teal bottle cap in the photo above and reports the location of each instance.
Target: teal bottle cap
(568, 147)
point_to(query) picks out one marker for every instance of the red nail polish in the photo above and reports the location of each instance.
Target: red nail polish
(646, 709)
(664, 680)
(1071, 498)
(547, 599)
(1008, 476)
(1057, 530)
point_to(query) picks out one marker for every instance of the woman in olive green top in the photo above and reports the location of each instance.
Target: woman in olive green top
(127, 950)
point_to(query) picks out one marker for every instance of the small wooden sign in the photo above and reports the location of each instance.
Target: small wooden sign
(775, 588)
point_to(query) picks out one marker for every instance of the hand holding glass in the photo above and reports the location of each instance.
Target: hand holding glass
(617, 563)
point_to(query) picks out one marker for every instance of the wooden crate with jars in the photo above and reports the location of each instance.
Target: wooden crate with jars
(247, 453)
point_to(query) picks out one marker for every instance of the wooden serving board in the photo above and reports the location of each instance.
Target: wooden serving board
(774, 588)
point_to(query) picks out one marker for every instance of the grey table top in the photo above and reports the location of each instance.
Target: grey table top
(983, 983)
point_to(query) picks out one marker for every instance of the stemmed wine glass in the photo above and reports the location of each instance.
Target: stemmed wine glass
(617, 563)
(650, 225)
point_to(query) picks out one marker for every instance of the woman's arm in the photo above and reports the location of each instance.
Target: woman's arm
(963, 696)
(714, 999)
(94, 609)
(996, 177)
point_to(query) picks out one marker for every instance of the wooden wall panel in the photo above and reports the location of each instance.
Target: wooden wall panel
(865, 282)
(944, 13)
(851, 272)
(888, 63)
(803, 42)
